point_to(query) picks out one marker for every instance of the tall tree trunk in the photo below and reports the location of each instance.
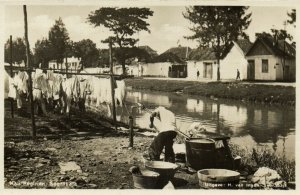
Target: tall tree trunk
(123, 66)
(218, 71)
(218, 57)
(29, 73)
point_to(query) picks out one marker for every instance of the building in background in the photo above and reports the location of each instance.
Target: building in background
(72, 64)
(270, 59)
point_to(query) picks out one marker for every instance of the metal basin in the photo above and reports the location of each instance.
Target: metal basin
(146, 180)
(166, 170)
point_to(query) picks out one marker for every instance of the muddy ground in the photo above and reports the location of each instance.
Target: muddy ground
(101, 152)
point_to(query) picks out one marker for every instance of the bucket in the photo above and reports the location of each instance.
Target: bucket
(166, 171)
(218, 178)
(200, 153)
(146, 180)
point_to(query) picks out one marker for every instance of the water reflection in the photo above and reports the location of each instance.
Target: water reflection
(247, 124)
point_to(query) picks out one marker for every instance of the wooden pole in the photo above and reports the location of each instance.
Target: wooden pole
(131, 131)
(112, 85)
(29, 73)
(67, 64)
(11, 74)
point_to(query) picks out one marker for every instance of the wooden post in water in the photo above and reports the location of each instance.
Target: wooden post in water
(29, 73)
(11, 74)
(112, 85)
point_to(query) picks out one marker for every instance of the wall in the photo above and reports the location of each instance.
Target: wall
(234, 60)
(73, 64)
(117, 69)
(134, 70)
(193, 67)
(272, 61)
(292, 66)
(160, 69)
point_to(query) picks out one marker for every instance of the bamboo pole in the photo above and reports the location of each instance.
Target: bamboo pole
(11, 74)
(112, 85)
(29, 73)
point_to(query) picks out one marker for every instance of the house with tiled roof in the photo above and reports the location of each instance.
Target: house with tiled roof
(270, 59)
(204, 62)
(181, 51)
(171, 63)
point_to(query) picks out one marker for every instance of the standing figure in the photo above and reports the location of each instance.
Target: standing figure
(165, 124)
(238, 75)
(198, 74)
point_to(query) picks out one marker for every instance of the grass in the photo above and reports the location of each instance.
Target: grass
(251, 92)
(255, 158)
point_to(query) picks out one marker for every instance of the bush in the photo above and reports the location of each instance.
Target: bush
(254, 158)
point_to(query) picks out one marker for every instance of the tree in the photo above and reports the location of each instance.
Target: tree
(124, 23)
(87, 51)
(292, 17)
(217, 26)
(19, 51)
(43, 52)
(281, 35)
(103, 57)
(58, 38)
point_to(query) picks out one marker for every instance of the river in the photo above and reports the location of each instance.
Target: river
(248, 124)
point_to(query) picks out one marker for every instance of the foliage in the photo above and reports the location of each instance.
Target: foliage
(18, 53)
(276, 34)
(217, 26)
(87, 51)
(262, 157)
(292, 17)
(251, 92)
(124, 23)
(58, 38)
(103, 57)
(130, 54)
(43, 52)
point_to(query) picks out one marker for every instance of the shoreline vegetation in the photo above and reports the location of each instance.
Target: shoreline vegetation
(253, 158)
(250, 92)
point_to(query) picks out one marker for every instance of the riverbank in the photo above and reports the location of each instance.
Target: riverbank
(248, 92)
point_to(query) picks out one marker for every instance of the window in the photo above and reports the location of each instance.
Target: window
(265, 66)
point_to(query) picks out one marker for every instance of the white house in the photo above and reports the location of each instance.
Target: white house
(158, 69)
(235, 60)
(73, 64)
(270, 59)
(204, 61)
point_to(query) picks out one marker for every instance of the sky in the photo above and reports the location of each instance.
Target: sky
(167, 25)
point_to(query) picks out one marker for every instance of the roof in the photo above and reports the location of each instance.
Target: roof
(169, 57)
(149, 50)
(181, 52)
(244, 44)
(277, 48)
(201, 54)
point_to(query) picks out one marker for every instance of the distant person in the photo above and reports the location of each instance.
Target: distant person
(165, 124)
(238, 75)
(198, 74)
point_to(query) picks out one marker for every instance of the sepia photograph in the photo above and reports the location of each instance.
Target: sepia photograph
(141, 96)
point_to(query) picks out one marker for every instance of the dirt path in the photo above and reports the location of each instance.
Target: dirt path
(99, 154)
